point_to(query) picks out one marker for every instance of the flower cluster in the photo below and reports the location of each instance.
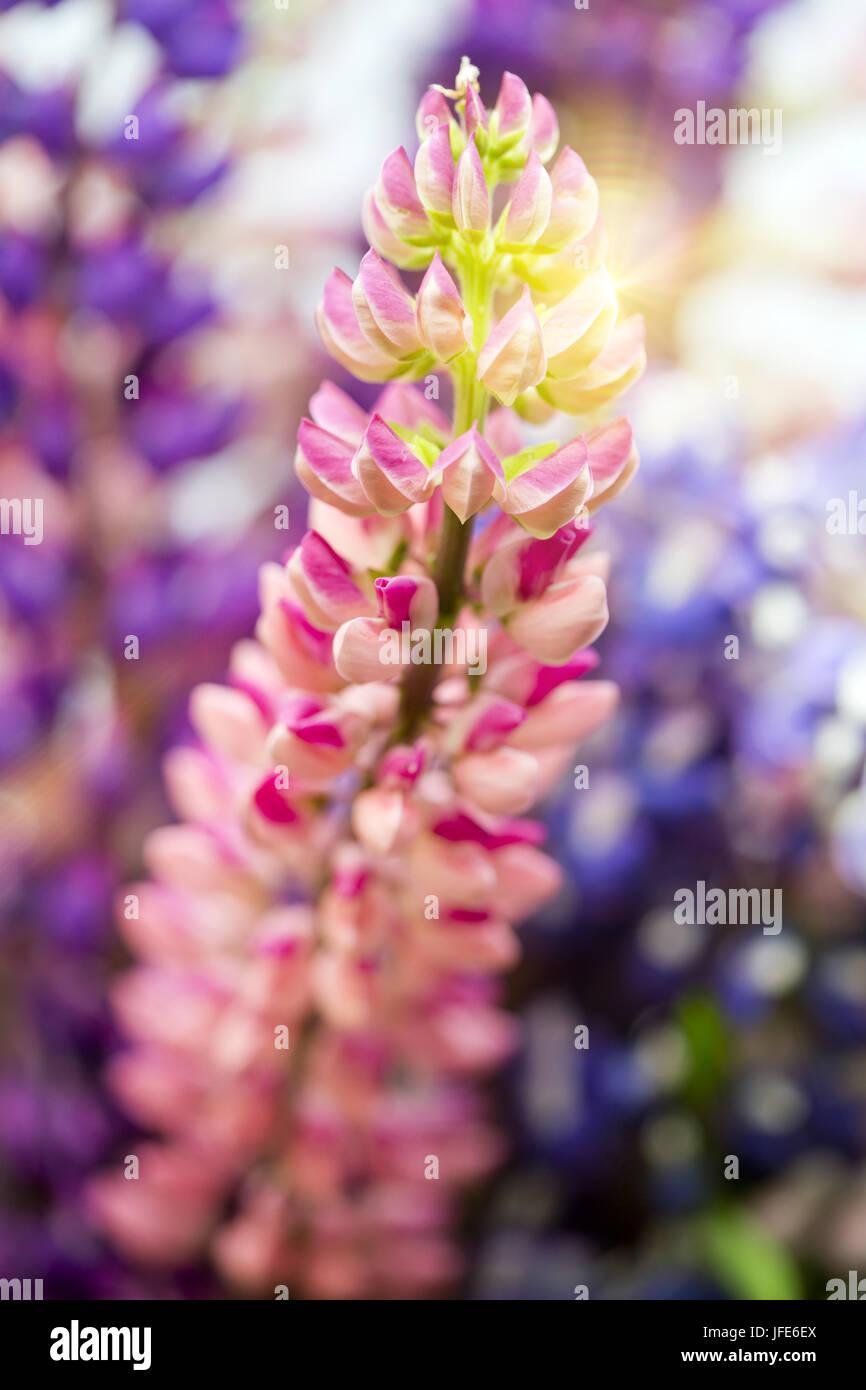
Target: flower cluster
(320, 940)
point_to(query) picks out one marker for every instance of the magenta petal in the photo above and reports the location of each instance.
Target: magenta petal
(272, 804)
(497, 720)
(460, 827)
(542, 560)
(324, 584)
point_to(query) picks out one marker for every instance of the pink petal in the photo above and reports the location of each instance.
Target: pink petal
(433, 111)
(612, 459)
(384, 239)
(513, 105)
(385, 309)
(323, 463)
(615, 368)
(338, 414)
(513, 358)
(577, 329)
(572, 712)
(358, 651)
(492, 720)
(341, 333)
(543, 127)
(405, 405)
(391, 475)
(324, 584)
(228, 721)
(574, 208)
(571, 614)
(471, 201)
(444, 326)
(434, 172)
(529, 209)
(469, 469)
(407, 598)
(475, 113)
(398, 199)
(502, 782)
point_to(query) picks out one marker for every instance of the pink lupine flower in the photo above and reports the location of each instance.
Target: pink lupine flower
(344, 338)
(529, 210)
(513, 357)
(513, 109)
(319, 943)
(444, 326)
(574, 201)
(471, 199)
(550, 493)
(392, 476)
(543, 127)
(385, 309)
(470, 470)
(434, 173)
(324, 585)
(398, 201)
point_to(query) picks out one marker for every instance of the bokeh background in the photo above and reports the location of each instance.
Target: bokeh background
(177, 178)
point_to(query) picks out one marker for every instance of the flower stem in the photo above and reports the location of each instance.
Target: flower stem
(470, 403)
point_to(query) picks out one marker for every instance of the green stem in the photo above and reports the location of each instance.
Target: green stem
(470, 407)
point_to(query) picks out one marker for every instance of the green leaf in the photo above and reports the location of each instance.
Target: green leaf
(746, 1259)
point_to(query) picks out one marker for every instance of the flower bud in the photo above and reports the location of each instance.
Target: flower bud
(529, 209)
(470, 471)
(434, 173)
(324, 585)
(392, 477)
(444, 326)
(342, 336)
(385, 309)
(574, 205)
(513, 357)
(471, 200)
(513, 109)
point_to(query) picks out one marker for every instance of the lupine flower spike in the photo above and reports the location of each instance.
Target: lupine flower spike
(320, 941)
